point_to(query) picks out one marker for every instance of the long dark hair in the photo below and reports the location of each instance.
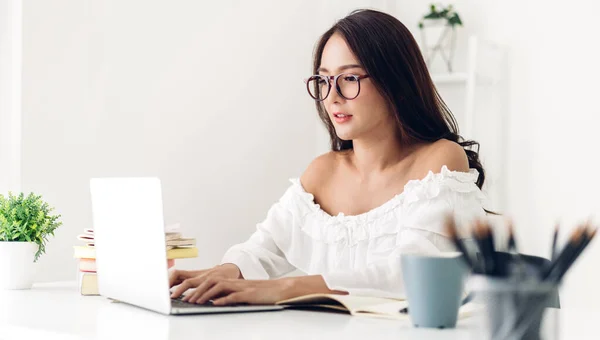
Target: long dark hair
(390, 55)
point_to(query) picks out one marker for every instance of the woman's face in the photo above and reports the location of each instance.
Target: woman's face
(365, 116)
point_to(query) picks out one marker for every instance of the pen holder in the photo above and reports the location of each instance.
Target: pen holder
(514, 309)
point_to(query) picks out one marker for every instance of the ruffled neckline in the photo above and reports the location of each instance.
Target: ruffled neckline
(413, 191)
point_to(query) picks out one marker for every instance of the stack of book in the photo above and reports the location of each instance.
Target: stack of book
(178, 247)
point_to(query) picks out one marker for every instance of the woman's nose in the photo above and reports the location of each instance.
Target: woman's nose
(334, 96)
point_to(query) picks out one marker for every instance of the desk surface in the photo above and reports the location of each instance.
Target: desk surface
(56, 310)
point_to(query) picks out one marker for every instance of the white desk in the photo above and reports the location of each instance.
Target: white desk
(57, 311)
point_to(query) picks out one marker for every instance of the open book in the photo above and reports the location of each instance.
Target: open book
(359, 305)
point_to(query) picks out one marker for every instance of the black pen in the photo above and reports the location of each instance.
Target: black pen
(491, 247)
(512, 245)
(483, 238)
(476, 233)
(516, 267)
(554, 242)
(587, 238)
(450, 226)
(559, 264)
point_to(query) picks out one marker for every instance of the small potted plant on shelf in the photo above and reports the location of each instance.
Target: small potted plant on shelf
(26, 222)
(438, 33)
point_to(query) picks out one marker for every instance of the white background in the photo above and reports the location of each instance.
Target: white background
(209, 96)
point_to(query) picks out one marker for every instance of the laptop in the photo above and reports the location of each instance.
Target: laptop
(131, 255)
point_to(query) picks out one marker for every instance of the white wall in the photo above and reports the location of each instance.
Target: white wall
(208, 96)
(562, 133)
(10, 95)
(552, 118)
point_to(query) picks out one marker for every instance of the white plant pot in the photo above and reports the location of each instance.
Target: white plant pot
(438, 41)
(433, 30)
(17, 268)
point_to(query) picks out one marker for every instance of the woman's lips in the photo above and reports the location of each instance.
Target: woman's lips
(341, 117)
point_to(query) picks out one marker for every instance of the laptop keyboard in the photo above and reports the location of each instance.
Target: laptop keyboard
(177, 303)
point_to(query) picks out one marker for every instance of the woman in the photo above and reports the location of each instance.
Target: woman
(396, 169)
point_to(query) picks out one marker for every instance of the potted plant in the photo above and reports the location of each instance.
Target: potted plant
(26, 222)
(438, 33)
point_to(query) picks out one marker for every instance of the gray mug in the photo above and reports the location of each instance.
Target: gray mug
(434, 286)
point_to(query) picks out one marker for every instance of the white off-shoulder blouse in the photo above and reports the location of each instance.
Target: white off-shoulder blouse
(359, 254)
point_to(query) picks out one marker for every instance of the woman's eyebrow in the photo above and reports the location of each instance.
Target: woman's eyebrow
(341, 68)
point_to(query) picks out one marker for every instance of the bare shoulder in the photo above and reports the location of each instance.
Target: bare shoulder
(320, 170)
(440, 153)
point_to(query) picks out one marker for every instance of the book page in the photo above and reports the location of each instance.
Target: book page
(366, 303)
(389, 309)
(312, 299)
(172, 236)
(364, 306)
(181, 242)
(353, 304)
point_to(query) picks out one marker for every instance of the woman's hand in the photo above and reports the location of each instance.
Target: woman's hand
(221, 286)
(187, 279)
(236, 291)
(178, 276)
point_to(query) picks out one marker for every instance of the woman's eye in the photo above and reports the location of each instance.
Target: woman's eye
(322, 82)
(350, 78)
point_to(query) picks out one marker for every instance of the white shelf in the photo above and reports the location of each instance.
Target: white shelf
(447, 78)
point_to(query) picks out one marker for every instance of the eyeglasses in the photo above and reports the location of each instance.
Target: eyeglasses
(346, 84)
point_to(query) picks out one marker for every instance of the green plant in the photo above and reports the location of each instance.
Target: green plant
(27, 219)
(439, 12)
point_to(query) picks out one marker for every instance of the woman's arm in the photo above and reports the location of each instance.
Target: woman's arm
(382, 279)
(304, 285)
(260, 257)
(229, 292)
